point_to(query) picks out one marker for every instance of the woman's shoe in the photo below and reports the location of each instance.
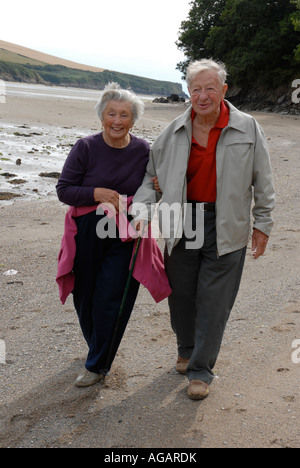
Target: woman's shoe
(87, 379)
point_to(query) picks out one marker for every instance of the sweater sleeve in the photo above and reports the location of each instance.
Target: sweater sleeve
(69, 188)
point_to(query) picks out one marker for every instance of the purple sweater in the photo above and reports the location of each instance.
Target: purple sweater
(92, 163)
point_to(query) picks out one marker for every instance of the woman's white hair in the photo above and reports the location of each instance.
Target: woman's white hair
(113, 92)
(203, 65)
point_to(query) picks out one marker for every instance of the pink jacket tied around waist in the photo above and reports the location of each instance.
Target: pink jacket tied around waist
(149, 267)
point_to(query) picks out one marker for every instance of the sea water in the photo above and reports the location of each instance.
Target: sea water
(55, 92)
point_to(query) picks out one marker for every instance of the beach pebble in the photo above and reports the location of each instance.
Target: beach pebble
(10, 273)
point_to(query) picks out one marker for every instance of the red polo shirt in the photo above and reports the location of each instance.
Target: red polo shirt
(202, 171)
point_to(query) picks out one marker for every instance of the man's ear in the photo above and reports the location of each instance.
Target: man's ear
(225, 89)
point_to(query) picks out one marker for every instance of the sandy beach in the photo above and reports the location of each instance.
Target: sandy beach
(255, 399)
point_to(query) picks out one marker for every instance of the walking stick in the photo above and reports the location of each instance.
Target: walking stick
(113, 342)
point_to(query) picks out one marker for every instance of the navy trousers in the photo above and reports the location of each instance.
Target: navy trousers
(101, 270)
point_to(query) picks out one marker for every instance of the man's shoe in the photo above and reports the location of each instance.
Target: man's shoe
(181, 365)
(87, 379)
(198, 390)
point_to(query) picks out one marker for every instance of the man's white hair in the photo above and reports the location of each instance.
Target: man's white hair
(199, 66)
(113, 92)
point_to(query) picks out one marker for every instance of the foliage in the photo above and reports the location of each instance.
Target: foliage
(295, 17)
(255, 38)
(203, 17)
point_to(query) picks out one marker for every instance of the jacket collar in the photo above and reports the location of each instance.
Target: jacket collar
(184, 120)
(236, 119)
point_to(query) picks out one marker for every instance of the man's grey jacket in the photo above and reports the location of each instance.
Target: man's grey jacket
(244, 173)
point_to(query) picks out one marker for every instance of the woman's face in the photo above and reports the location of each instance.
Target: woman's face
(117, 120)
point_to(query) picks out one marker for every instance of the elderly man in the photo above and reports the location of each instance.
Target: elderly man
(213, 157)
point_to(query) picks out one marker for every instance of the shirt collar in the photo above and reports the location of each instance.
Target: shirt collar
(236, 119)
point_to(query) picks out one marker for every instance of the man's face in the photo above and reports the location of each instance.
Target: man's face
(207, 92)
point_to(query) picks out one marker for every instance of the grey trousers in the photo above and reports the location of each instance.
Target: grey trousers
(204, 287)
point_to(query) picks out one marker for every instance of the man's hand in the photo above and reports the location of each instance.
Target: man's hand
(259, 243)
(156, 184)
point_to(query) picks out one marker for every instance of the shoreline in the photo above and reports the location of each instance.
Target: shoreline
(37, 133)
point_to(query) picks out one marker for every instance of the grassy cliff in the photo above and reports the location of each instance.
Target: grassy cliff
(17, 67)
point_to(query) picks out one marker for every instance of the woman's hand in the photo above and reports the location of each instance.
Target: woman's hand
(109, 197)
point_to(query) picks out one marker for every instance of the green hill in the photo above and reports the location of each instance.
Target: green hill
(18, 67)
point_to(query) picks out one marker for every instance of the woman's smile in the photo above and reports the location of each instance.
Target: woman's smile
(117, 121)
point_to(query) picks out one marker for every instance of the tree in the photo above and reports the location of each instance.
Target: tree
(203, 16)
(255, 38)
(295, 18)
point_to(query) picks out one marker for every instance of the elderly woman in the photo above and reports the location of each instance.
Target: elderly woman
(210, 159)
(101, 169)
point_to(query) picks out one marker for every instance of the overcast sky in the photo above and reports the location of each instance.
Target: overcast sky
(133, 36)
